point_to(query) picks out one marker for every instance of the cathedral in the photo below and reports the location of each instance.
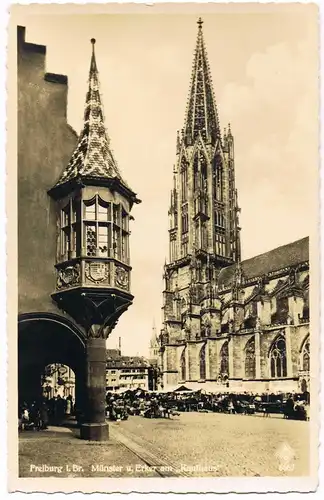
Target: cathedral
(228, 324)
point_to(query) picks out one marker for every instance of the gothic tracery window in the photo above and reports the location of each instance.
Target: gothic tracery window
(218, 179)
(224, 364)
(250, 359)
(278, 358)
(202, 362)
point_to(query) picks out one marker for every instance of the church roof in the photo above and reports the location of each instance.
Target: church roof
(92, 157)
(278, 258)
(201, 113)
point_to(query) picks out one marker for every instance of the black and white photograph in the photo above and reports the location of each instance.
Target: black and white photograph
(162, 198)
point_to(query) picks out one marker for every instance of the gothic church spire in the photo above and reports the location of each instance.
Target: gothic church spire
(92, 157)
(201, 114)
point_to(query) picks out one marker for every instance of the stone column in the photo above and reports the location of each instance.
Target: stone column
(188, 374)
(231, 357)
(257, 354)
(295, 308)
(95, 427)
(207, 360)
(288, 350)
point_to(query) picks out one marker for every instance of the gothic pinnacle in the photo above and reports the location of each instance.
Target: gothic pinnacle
(201, 113)
(93, 65)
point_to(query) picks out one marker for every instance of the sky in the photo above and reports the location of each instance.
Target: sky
(264, 66)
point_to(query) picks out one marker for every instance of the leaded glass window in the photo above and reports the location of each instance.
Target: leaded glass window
(70, 233)
(202, 362)
(278, 358)
(91, 240)
(250, 359)
(106, 229)
(224, 365)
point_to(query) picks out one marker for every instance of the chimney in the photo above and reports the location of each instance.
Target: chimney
(119, 345)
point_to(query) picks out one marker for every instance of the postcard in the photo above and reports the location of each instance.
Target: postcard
(163, 272)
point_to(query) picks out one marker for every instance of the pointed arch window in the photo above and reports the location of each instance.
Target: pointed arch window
(203, 172)
(202, 362)
(278, 358)
(250, 359)
(184, 219)
(183, 365)
(218, 179)
(306, 356)
(196, 174)
(224, 364)
(220, 244)
(184, 182)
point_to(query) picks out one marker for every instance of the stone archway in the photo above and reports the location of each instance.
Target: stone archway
(44, 339)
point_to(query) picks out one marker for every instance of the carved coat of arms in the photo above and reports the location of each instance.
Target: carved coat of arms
(121, 277)
(96, 271)
(68, 276)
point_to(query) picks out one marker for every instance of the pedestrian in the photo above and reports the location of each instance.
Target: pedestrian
(68, 406)
(44, 414)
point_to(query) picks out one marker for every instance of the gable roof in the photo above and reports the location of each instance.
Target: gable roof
(278, 258)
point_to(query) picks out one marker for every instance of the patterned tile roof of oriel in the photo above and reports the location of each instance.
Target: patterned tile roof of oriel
(92, 156)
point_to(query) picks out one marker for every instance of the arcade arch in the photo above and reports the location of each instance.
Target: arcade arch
(47, 339)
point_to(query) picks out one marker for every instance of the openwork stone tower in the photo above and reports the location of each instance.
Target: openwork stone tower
(204, 232)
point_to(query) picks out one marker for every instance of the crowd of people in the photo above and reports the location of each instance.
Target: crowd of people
(119, 406)
(40, 413)
(155, 404)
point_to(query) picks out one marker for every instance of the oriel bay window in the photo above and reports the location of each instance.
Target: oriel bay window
(100, 229)
(106, 229)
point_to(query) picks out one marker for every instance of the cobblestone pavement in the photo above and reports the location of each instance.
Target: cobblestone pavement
(66, 455)
(211, 444)
(193, 444)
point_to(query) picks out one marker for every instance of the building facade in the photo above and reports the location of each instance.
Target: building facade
(126, 372)
(58, 380)
(242, 325)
